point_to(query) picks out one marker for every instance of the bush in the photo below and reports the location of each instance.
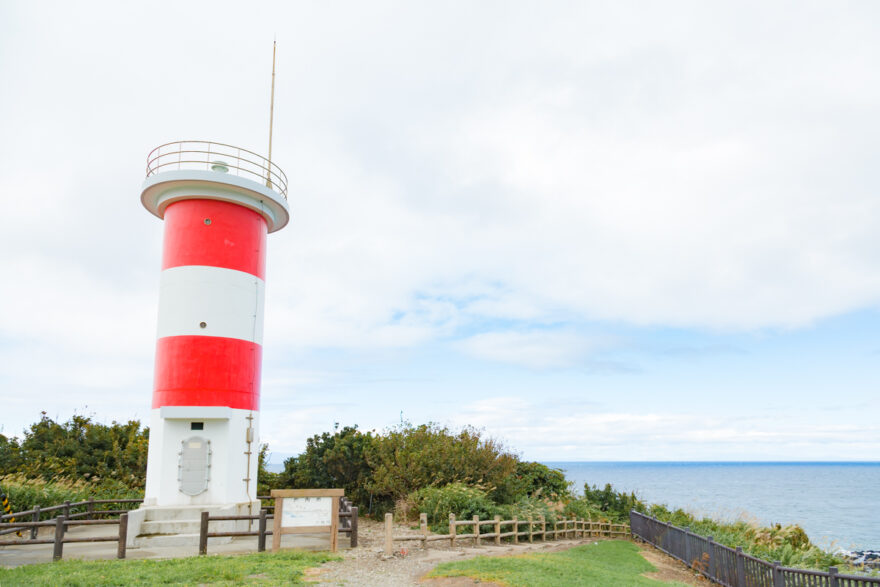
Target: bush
(333, 460)
(24, 493)
(615, 505)
(409, 458)
(530, 508)
(586, 510)
(266, 479)
(86, 450)
(788, 544)
(530, 479)
(454, 498)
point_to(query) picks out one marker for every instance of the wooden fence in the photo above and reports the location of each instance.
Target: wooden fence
(732, 567)
(347, 513)
(567, 528)
(348, 517)
(70, 510)
(61, 524)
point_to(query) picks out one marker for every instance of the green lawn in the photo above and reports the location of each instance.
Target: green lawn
(285, 567)
(604, 563)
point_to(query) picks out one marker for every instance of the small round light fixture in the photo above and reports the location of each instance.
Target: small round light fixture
(203, 324)
(207, 221)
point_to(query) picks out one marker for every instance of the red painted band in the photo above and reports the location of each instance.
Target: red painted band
(207, 371)
(216, 234)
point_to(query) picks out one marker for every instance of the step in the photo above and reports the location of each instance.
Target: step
(193, 512)
(175, 540)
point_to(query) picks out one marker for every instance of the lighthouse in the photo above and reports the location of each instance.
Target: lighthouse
(218, 203)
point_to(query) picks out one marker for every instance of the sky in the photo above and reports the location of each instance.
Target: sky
(593, 230)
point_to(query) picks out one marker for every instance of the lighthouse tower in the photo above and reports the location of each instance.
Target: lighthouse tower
(218, 203)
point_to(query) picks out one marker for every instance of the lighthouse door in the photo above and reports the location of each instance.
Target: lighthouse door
(194, 466)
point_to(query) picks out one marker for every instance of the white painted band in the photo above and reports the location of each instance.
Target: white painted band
(228, 303)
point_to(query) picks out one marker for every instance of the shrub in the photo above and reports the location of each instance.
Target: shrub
(530, 508)
(83, 449)
(409, 458)
(586, 510)
(333, 460)
(530, 479)
(25, 493)
(788, 544)
(454, 498)
(615, 505)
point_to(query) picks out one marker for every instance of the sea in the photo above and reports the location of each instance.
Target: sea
(836, 503)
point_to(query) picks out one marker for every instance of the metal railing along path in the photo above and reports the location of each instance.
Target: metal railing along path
(733, 567)
(211, 156)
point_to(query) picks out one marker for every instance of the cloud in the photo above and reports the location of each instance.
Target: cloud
(555, 430)
(537, 349)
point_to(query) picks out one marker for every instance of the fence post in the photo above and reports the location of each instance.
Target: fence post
(353, 537)
(123, 535)
(778, 577)
(687, 546)
(423, 526)
(261, 528)
(832, 577)
(59, 538)
(590, 529)
(710, 564)
(497, 529)
(515, 530)
(453, 530)
(203, 533)
(36, 518)
(90, 508)
(389, 527)
(543, 529)
(476, 530)
(740, 567)
(530, 529)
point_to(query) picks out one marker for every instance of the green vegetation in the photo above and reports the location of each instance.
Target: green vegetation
(332, 460)
(284, 567)
(602, 563)
(73, 461)
(25, 493)
(78, 449)
(788, 544)
(379, 471)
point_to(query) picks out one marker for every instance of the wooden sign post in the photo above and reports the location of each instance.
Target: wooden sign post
(306, 511)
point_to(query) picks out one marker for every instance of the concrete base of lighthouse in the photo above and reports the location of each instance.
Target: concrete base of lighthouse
(200, 459)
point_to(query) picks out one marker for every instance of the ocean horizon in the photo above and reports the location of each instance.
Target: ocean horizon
(835, 502)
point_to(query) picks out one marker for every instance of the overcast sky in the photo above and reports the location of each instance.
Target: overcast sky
(598, 230)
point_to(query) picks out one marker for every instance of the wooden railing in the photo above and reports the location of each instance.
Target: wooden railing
(67, 509)
(262, 531)
(348, 518)
(61, 524)
(566, 528)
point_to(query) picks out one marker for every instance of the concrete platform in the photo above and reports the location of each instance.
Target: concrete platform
(26, 554)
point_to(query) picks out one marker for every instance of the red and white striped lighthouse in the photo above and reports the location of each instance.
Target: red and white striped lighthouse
(218, 203)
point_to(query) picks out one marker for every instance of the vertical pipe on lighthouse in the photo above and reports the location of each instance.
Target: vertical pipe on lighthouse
(206, 392)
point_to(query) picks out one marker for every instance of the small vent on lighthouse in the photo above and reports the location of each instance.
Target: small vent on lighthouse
(194, 468)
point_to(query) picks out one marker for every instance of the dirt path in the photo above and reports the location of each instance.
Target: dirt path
(366, 566)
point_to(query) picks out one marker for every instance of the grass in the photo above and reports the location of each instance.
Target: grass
(603, 563)
(282, 568)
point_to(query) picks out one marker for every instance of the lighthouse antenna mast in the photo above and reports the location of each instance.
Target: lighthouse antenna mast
(271, 118)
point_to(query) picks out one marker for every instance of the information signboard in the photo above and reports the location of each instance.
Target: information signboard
(302, 511)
